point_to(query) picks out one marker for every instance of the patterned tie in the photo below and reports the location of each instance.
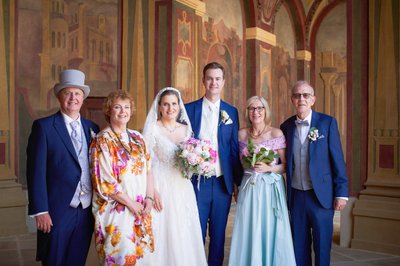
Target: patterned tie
(302, 123)
(76, 140)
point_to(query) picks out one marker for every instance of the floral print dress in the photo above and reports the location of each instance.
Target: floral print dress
(119, 167)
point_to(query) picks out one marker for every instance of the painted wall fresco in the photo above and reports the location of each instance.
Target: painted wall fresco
(184, 53)
(80, 34)
(222, 41)
(307, 5)
(284, 66)
(330, 67)
(267, 11)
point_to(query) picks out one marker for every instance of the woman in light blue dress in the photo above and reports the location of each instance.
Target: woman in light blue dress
(261, 232)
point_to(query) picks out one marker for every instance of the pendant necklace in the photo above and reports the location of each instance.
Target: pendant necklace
(122, 144)
(168, 129)
(255, 136)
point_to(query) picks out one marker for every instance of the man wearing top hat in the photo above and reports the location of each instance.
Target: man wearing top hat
(59, 185)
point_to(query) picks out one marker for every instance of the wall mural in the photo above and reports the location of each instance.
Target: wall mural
(222, 38)
(265, 75)
(331, 67)
(80, 34)
(285, 65)
(183, 70)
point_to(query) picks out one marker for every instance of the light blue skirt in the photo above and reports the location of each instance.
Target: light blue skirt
(261, 232)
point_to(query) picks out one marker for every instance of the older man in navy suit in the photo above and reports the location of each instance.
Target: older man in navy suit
(214, 120)
(59, 185)
(316, 176)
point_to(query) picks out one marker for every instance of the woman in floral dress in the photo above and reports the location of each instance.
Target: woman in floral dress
(123, 187)
(261, 232)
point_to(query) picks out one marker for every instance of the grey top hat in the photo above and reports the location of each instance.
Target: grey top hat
(72, 78)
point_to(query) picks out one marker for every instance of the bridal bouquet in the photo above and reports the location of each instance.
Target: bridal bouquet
(196, 157)
(257, 153)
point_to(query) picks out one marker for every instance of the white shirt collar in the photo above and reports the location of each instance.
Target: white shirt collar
(308, 118)
(68, 119)
(208, 104)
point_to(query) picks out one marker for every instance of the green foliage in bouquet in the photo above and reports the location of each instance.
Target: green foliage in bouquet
(257, 154)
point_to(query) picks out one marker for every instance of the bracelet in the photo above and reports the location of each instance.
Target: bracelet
(150, 198)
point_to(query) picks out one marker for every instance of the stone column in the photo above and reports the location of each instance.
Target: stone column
(303, 64)
(377, 212)
(12, 199)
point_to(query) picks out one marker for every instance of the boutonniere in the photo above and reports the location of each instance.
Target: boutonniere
(224, 118)
(92, 134)
(313, 135)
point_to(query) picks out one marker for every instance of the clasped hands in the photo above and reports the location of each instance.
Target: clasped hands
(261, 167)
(138, 208)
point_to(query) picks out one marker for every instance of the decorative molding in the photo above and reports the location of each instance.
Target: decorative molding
(261, 35)
(198, 6)
(303, 55)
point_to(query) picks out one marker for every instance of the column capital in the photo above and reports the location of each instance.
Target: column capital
(261, 35)
(198, 6)
(303, 55)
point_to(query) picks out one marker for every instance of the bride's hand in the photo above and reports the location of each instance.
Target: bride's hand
(157, 204)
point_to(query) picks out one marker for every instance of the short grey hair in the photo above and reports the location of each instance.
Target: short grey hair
(300, 83)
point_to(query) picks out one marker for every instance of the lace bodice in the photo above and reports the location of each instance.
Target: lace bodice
(164, 150)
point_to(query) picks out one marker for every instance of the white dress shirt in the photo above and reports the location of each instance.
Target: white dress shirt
(209, 128)
(302, 129)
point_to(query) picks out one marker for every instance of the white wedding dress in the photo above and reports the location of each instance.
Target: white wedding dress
(176, 229)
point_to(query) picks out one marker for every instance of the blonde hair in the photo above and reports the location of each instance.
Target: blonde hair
(267, 117)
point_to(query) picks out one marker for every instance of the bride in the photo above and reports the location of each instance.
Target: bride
(176, 226)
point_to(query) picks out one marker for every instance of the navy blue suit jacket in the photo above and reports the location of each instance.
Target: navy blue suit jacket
(53, 169)
(228, 141)
(326, 163)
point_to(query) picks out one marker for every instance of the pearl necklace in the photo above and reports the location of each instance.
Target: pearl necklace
(168, 129)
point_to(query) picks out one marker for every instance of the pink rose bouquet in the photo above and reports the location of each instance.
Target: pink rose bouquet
(196, 157)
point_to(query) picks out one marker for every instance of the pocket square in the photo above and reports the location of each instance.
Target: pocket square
(321, 137)
(229, 122)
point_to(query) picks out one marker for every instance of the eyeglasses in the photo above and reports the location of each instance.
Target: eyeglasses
(259, 109)
(305, 95)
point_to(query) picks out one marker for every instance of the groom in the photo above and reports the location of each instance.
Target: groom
(316, 177)
(214, 120)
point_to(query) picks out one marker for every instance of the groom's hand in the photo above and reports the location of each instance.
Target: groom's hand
(340, 204)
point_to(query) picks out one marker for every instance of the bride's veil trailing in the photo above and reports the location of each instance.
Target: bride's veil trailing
(149, 129)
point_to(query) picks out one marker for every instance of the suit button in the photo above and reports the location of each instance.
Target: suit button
(82, 193)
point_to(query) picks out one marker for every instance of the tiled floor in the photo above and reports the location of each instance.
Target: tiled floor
(20, 250)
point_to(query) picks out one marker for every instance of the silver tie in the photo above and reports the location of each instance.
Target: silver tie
(76, 140)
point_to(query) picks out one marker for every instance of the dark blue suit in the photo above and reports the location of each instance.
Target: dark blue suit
(314, 208)
(53, 173)
(215, 194)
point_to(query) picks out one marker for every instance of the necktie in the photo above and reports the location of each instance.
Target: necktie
(302, 123)
(76, 140)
